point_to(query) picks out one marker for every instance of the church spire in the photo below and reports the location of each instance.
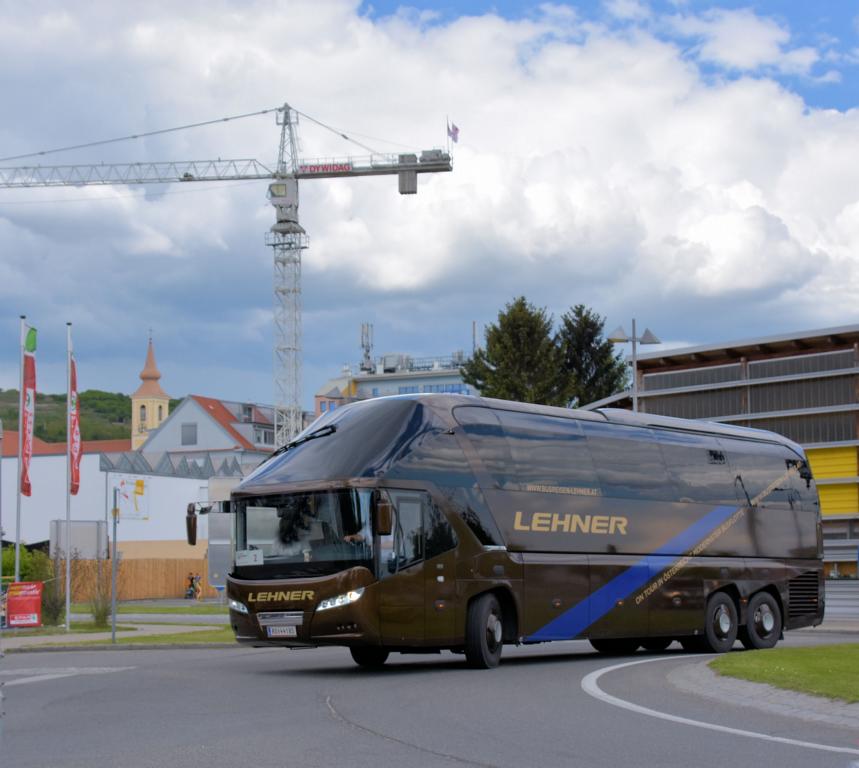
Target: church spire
(150, 376)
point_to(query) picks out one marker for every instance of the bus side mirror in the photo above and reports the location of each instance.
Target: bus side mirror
(384, 517)
(191, 525)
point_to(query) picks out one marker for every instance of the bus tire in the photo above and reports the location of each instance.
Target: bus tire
(616, 646)
(720, 623)
(656, 644)
(763, 623)
(484, 632)
(369, 657)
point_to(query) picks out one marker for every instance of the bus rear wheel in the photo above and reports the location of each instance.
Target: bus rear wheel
(372, 658)
(615, 647)
(720, 624)
(763, 623)
(484, 632)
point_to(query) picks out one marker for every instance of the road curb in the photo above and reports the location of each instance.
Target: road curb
(699, 679)
(119, 647)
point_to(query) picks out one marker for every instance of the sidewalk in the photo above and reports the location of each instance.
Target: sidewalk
(849, 626)
(11, 642)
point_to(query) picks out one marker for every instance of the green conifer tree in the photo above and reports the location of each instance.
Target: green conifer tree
(521, 360)
(590, 367)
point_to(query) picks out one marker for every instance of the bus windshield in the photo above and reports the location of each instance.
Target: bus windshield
(303, 534)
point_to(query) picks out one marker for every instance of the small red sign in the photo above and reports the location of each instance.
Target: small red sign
(24, 604)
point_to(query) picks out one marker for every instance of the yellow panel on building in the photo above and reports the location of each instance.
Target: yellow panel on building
(839, 499)
(833, 462)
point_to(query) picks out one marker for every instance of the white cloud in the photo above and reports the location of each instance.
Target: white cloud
(742, 40)
(630, 10)
(594, 165)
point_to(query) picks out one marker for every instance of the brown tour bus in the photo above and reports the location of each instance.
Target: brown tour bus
(420, 523)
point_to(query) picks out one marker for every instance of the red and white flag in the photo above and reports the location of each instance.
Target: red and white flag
(74, 427)
(27, 406)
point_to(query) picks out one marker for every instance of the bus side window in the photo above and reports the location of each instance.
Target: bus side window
(698, 467)
(483, 430)
(547, 451)
(768, 473)
(439, 535)
(628, 462)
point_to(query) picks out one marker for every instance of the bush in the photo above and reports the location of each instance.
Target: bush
(54, 594)
(35, 565)
(99, 604)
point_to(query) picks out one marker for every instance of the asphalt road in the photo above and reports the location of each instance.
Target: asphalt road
(268, 707)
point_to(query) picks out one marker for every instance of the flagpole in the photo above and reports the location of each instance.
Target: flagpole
(68, 476)
(20, 459)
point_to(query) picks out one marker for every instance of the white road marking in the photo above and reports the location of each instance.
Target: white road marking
(42, 674)
(590, 685)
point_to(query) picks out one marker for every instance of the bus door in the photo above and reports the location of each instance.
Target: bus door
(401, 570)
(418, 570)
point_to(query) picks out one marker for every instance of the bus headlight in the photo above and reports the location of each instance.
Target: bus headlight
(340, 600)
(238, 607)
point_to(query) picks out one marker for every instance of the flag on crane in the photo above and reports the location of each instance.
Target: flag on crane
(453, 132)
(27, 406)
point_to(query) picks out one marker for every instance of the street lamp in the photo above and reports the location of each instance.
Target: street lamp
(618, 336)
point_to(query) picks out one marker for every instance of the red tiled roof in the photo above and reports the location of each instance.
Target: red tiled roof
(259, 417)
(42, 448)
(219, 412)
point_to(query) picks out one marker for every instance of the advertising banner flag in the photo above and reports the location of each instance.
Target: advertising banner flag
(24, 604)
(28, 407)
(74, 436)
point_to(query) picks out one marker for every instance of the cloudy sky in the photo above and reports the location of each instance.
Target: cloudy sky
(693, 165)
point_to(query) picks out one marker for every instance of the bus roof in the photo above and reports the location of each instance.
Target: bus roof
(612, 415)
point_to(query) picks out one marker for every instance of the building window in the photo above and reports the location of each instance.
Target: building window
(142, 415)
(323, 406)
(160, 413)
(189, 434)
(332, 405)
(411, 390)
(375, 391)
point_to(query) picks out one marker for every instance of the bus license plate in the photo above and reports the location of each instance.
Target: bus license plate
(282, 631)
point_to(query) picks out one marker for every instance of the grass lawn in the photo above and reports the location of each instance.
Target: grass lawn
(192, 609)
(77, 627)
(831, 670)
(224, 635)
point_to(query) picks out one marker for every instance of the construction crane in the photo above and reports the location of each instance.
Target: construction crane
(287, 237)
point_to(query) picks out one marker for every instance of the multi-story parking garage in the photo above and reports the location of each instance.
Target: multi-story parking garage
(802, 385)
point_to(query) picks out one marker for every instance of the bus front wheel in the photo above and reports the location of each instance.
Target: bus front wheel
(372, 658)
(484, 632)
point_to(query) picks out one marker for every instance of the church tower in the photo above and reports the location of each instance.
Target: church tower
(149, 404)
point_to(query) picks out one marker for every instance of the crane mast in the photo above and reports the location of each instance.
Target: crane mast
(286, 238)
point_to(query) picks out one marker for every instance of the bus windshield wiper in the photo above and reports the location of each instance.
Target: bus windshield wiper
(328, 429)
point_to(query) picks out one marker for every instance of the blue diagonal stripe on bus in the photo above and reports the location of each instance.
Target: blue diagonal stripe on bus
(577, 619)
